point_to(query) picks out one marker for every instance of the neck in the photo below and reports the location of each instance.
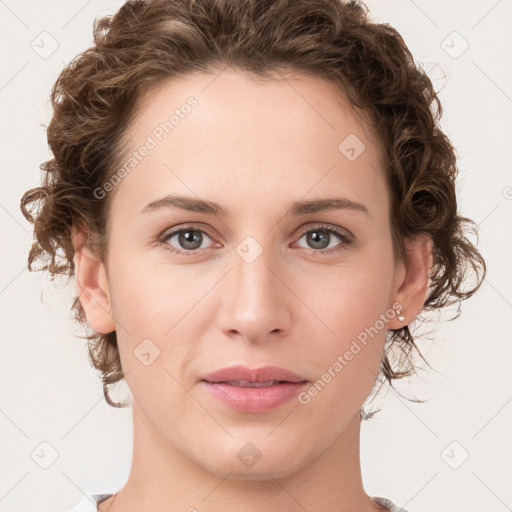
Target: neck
(162, 479)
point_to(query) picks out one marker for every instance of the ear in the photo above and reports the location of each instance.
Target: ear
(412, 288)
(92, 284)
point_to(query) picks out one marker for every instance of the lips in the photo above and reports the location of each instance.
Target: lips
(259, 390)
(242, 376)
(248, 384)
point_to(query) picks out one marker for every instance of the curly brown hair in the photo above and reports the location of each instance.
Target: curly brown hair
(150, 41)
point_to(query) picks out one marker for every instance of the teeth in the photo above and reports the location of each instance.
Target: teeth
(248, 384)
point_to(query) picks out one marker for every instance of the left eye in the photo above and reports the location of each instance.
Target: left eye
(318, 237)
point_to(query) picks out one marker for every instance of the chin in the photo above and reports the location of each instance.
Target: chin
(258, 473)
(247, 461)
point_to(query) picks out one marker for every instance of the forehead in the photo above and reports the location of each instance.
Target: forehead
(243, 142)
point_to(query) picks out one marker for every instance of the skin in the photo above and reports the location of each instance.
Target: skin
(254, 147)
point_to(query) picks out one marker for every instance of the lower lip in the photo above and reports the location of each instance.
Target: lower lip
(254, 399)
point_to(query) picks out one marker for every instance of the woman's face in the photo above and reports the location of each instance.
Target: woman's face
(262, 284)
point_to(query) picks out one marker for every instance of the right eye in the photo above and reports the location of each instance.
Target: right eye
(188, 239)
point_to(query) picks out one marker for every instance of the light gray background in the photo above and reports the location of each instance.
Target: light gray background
(49, 393)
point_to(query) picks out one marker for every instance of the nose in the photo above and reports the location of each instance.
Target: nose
(255, 300)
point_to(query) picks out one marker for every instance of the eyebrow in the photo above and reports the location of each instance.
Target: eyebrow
(297, 208)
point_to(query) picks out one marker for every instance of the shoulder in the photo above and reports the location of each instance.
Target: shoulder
(89, 503)
(388, 504)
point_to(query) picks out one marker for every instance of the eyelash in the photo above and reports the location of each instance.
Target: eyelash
(320, 252)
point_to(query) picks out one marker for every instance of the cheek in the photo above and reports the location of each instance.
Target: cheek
(349, 346)
(343, 301)
(149, 298)
(151, 313)
(156, 308)
(350, 324)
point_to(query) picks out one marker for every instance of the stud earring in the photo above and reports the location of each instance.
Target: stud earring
(399, 316)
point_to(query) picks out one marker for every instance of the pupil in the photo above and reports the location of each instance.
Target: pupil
(313, 238)
(186, 238)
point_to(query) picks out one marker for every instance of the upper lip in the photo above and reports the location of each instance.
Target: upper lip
(262, 374)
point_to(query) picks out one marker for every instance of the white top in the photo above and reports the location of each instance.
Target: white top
(90, 503)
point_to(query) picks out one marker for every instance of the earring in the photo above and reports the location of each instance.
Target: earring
(400, 317)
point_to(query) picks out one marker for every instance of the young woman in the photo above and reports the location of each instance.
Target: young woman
(255, 199)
